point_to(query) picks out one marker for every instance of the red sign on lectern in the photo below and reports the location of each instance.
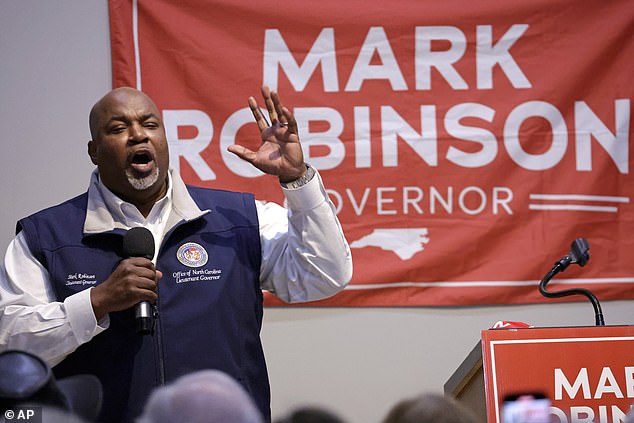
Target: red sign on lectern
(586, 372)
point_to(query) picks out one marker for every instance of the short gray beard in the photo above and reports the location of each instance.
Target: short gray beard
(144, 182)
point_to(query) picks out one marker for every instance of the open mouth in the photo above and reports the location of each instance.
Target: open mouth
(142, 162)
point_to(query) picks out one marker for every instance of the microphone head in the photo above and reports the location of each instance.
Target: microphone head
(138, 242)
(579, 251)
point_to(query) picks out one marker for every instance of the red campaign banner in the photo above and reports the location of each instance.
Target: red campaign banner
(464, 144)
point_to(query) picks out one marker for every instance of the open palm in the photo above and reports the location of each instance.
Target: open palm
(280, 153)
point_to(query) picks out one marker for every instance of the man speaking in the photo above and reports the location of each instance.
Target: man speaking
(73, 283)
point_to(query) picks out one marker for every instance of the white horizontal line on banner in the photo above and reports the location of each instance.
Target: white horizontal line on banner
(581, 207)
(577, 197)
(467, 284)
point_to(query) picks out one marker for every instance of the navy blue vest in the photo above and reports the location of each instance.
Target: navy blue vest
(209, 315)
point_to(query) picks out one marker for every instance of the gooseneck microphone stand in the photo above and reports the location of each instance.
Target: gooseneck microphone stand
(578, 254)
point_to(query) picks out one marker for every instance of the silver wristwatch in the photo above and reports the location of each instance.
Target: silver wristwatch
(302, 180)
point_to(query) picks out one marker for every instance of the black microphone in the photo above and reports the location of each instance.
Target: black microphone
(139, 242)
(580, 255)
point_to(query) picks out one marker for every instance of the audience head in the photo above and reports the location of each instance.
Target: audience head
(429, 408)
(205, 396)
(310, 415)
(26, 380)
(58, 415)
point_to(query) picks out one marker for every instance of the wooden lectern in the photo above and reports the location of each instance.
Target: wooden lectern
(466, 384)
(586, 372)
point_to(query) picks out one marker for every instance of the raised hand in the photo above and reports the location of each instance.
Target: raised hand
(280, 153)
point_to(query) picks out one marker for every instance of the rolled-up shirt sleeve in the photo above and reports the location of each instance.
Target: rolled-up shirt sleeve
(305, 255)
(30, 317)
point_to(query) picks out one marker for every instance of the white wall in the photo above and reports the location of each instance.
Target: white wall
(55, 63)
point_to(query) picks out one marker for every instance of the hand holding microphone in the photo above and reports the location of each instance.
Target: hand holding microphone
(139, 242)
(132, 283)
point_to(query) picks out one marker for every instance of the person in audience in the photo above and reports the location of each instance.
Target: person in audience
(58, 415)
(311, 414)
(429, 408)
(204, 396)
(28, 384)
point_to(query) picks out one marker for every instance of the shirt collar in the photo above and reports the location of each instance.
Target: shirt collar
(105, 211)
(127, 213)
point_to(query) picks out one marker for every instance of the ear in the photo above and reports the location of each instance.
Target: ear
(92, 152)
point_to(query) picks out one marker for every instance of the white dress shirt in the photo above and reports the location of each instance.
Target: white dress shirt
(305, 257)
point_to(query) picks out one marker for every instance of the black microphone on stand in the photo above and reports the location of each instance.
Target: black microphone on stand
(139, 242)
(578, 254)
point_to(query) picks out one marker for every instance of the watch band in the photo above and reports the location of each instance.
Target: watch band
(302, 180)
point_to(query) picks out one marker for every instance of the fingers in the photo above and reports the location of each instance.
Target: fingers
(141, 274)
(133, 280)
(270, 105)
(242, 152)
(277, 105)
(259, 118)
(289, 119)
(279, 115)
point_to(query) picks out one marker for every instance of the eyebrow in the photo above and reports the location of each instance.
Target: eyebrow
(148, 116)
(123, 118)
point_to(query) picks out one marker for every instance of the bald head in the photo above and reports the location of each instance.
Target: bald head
(101, 106)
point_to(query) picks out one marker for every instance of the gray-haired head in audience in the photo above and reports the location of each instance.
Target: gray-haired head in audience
(205, 396)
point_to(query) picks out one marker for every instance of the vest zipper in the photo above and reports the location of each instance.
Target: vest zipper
(159, 347)
(159, 339)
